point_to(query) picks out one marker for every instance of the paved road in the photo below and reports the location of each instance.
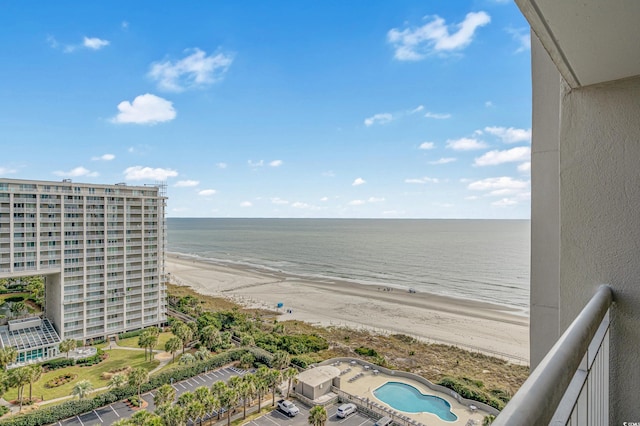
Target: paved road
(118, 410)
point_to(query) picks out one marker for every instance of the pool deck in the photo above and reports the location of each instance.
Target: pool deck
(368, 382)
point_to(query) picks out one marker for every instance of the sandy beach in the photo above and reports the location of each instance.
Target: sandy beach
(478, 326)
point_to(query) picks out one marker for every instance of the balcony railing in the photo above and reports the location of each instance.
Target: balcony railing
(570, 386)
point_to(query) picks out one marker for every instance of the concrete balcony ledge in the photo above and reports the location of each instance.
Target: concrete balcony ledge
(570, 385)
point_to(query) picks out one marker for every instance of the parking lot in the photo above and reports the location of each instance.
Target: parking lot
(278, 418)
(119, 410)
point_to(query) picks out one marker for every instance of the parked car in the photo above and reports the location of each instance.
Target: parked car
(346, 409)
(383, 421)
(288, 407)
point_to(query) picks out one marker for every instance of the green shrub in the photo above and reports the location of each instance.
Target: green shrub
(60, 380)
(14, 299)
(57, 363)
(366, 351)
(467, 389)
(3, 410)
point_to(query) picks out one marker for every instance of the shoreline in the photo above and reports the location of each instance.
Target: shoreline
(478, 326)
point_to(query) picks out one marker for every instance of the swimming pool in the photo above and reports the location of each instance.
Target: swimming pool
(404, 397)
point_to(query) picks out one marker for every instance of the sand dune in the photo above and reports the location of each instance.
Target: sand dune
(484, 327)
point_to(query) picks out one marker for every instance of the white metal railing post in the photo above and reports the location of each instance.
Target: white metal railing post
(541, 394)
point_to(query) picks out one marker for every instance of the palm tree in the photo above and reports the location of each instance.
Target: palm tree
(183, 332)
(210, 337)
(289, 374)
(145, 418)
(34, 373)
(185, 399)
(8, 355)
(152, 342)
(117, 381)
(228, 400)
(137, 377)
(19, 377)
(174, 415)
(210, 404)
(261, 384)
(67, 345)
(272, 379)
(187, 359)
(82, 389)
(281, 359)
(172, 345)
(195, 411)
(164, 394)
(317, 416)
(217, 389)
(202, 354)
(143, 342)
(244, 391)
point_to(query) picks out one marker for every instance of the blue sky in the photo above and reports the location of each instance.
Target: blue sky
(372, 109)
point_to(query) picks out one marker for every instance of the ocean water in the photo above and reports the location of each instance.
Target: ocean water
(484, 260)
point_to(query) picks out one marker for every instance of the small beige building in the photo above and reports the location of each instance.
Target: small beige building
(316, 382)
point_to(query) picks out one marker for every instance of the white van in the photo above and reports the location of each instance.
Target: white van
(345, 409)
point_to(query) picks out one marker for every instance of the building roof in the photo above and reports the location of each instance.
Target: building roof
(318, 375)
(30, 337)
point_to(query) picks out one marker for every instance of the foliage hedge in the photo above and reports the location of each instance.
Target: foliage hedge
(53, 414)
(57, 363)
(469, 390)
(128, 334)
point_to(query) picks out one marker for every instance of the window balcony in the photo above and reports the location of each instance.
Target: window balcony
(570, 386)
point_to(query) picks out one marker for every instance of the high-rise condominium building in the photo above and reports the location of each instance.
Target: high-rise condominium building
(100, 249)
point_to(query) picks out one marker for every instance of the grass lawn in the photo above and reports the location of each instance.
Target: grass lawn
(117, 358)
(132, 342)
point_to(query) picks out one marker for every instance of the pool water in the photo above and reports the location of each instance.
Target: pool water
(407, 398)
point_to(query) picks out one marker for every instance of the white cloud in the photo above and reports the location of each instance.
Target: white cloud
(505, 202)
(498, 183)
(417, 109)
(52, 42)
(246, 204)
(148, 173)
(76, 172)
(522, 36)
(427, 145)
(488, 104)
(186, 183)
(207, 192)
(358, 182)
(301, 205)
(493, 158)
(524, 167)
(413, 44)
(437, 116)
(221, 165)
(124, 25)
(275, 163)
(104, 157)
(511, 134)
(465, 144)
(375, 199)
(324, 199)
(255, 163)
(6, 171)
(422, 180)
(329, 173)
(94, 43)
(277, 200)
(382, 118)
(444, 160)
(194, 71)
(145, 109)
(356, 202)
